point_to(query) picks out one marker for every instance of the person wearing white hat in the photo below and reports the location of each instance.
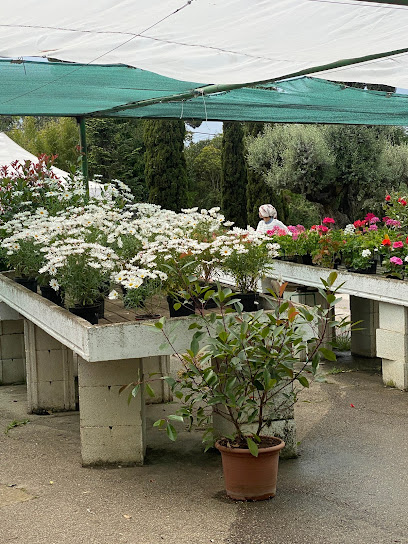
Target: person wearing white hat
(269, 219)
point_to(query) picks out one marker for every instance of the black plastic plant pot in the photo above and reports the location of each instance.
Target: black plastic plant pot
(28, 283)
(89, 313)
(51, 294)
(249, 301)
(370, 269)
(186, 308)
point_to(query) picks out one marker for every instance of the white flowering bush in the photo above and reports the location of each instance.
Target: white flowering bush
(247, 256)
(80, 269)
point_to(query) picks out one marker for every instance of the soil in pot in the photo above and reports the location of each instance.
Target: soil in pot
(186, 308)
(29, 283)
(249, 478)
(89, 313)
(51, 294)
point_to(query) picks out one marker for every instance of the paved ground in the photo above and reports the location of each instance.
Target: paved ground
(349, 485)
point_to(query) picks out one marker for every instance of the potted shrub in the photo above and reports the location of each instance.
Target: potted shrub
(237, 366)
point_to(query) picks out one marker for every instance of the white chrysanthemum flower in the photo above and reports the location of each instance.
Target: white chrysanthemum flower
(54, 284)
(113, 295)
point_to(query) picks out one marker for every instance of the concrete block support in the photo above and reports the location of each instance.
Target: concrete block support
(50, 381)
(112, 431)
(363, 342)
(157, 367)
(392, 344)
(12, 356)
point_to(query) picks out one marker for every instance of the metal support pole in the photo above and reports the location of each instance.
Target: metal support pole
(84, 153)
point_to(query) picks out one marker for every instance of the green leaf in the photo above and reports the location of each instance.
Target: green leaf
(174, 417)
(253, 448)
(149, 390)
(303, 381)
(178, 394)
(135, 390)
(332, 278)
(194, 346)
(171, 432)
(328, 354)
(159, 423)
(177, 306)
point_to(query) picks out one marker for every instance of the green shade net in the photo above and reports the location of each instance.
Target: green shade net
(65, 89)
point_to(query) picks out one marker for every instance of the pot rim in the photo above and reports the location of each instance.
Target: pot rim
(243, 451)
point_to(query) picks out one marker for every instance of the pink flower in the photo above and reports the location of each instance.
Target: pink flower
(397, 245)
(396, 260)
(392, 223)
(328, 221)
(373, 227)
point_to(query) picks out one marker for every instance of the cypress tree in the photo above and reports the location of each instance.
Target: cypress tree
(233, 174)
(165, 165)
(258, 192)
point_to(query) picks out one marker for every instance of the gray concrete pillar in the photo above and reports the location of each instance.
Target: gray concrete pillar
(12, 356)
(392, 344)
(49, 364)
(156, 368)
(363, 342)
(112, 431)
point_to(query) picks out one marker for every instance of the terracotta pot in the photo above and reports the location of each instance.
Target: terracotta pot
(249, 478)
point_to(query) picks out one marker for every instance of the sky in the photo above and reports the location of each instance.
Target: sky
(207, 130)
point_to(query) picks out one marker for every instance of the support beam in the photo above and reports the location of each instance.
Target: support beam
(84, 153)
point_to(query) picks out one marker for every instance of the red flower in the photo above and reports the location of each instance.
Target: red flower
(403, 202)
(359, 224)
(386, 242)
(388, 198)
(328, 221)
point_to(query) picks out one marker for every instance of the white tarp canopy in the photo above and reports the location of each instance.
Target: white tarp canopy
(10, 151)
(216, 41)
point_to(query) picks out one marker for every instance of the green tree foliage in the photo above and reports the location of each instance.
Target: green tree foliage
(116, 151)
(204, 172)
(344, 169)
(234, 175)
(165, 164)
(258, 192)
(52, 136)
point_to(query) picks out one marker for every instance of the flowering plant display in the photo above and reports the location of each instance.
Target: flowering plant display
(28, 186)
(395, 208)
(79, 268)
(247, 256)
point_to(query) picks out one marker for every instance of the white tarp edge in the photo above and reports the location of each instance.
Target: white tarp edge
(213, 41)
